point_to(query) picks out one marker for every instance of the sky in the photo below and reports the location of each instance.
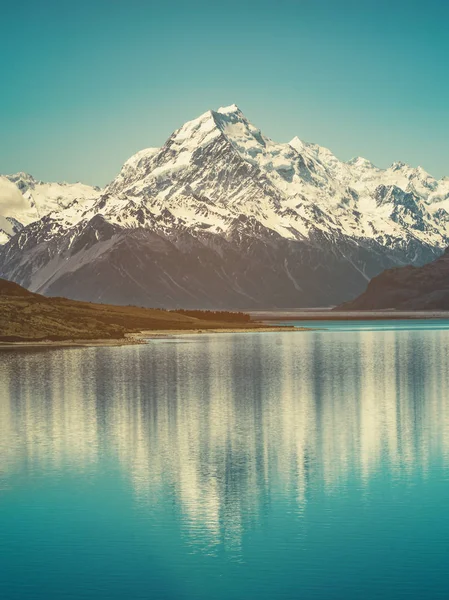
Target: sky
(87, 83)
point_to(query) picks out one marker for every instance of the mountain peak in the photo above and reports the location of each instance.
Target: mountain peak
(22, 180)
(411, 172)
(399, 165)
(21, 175)
(297, 144)
(225, 110)
(360, 161)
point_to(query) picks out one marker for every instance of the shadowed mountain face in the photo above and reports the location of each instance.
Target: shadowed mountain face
(223, 217)
(142, 267)
(407, 288)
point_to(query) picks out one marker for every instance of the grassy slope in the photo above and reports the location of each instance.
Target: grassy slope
(25, 316)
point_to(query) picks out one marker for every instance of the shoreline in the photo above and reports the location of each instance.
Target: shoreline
(176, 332)
(71, 343)
(330, 315)
(140, 337)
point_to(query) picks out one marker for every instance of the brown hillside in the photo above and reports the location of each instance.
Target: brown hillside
(25, 316)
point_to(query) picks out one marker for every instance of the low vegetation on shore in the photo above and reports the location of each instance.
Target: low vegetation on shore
(223, 316)
(25, 316)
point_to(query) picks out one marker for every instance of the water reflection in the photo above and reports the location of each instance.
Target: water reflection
(223, 424)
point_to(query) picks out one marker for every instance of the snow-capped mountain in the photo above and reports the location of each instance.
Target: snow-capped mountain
(23, 199)
(8, 228)
(222, 216)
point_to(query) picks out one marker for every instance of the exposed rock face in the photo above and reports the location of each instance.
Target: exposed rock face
(223, 217)
(407, 288)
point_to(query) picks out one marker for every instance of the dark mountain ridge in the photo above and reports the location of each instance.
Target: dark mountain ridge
(407, 288)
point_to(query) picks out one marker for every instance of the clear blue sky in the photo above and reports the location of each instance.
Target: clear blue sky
(87, 83)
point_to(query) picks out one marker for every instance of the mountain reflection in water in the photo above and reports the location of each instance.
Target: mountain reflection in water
(222, 424)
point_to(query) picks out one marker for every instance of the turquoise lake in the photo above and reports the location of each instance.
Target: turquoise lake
(306, 465)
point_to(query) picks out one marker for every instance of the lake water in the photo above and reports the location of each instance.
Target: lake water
(260, 466)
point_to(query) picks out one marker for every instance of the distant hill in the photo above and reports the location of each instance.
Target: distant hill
(407, 288)
(25, 316)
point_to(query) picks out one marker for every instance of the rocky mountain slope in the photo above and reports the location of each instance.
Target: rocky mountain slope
(222, 216)
(407, 288)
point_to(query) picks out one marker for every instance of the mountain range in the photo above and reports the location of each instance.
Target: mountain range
(221, 216)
